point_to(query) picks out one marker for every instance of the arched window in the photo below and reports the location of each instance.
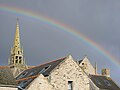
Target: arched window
(16, 61)
(20, 61)
(20, 57)
(16, 57)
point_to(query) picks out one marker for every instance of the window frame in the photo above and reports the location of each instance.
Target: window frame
(44, 69)
(70, 85)
(107, 83)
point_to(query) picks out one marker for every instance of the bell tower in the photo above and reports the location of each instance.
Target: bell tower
(16, 60)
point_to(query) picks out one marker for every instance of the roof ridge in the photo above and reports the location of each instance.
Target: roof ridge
(97, 75)
(4, 67)
(46, 63)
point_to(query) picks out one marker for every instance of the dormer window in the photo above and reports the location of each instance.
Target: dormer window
(31, 73)
(98, 82)
(22, 75)
(107, 82)
(23, 83)
(45, 69)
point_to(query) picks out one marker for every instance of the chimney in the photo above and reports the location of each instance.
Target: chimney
(106, 72)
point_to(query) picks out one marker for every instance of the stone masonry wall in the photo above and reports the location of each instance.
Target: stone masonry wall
(69, 71)
(40, 83)
(87, 66)
(8, 88)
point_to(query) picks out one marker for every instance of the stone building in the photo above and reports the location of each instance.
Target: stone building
(62, 74)
(101, 82)
(7, 81)
(16, 61)
(65, 74)
(87, 66)
(97, 81)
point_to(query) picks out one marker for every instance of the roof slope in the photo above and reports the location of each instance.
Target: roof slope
(6, 76)
(27, 76)
(104, 82)
(80, 61)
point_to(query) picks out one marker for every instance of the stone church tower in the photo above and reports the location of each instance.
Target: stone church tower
(16, 60)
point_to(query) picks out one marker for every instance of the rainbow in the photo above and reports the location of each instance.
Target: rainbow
(63, 27)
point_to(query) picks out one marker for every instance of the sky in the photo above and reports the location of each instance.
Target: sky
(98, 20)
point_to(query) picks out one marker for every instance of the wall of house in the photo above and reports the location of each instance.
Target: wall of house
(87, 66)
(15, 71)
(69, 70)
(40, 83)
(8, 88)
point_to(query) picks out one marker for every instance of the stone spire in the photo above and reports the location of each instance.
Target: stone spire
(16, 56)
(16, 60)
(17, 36)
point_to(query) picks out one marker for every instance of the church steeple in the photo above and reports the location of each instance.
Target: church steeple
(17, 36)
(16, 56)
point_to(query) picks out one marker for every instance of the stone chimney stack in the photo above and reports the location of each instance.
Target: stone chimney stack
(106, 72)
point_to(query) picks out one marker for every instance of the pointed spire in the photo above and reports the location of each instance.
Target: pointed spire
(17, 36)
(16, 60)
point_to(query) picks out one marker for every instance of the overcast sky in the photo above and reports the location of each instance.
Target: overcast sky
(99, 20)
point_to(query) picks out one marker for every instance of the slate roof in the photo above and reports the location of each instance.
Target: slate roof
(104, 82)
(6, 77)
(80, 61)
(27, 76)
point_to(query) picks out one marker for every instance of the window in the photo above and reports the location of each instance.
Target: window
(22, 75)
(16, 61)
(23, 83)
(16, 57)
(45, 69)
(98, 82)
(20, 57)
(107, 82)
(20, 61)
(31, 73)
(70, 85)
(82, 63)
